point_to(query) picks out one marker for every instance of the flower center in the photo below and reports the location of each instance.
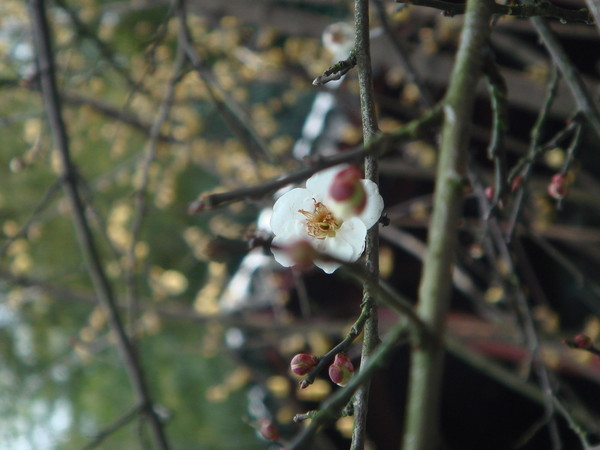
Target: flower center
(320, 224)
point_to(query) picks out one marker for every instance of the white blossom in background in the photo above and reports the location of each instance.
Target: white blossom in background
(304, 214)
(338, 39)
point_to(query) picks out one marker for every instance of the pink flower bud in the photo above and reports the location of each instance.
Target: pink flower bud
(302, 254)
(347, 195)
(302, 363)
(268, 430)
(582, 341)
(341, 370)
(558, 187)
(490, 192)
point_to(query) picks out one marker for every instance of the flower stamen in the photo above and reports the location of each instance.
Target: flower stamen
(320, 224)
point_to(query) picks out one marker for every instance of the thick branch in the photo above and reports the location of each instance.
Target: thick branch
(434, 292)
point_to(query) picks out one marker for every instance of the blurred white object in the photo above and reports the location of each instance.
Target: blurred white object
(338, 39)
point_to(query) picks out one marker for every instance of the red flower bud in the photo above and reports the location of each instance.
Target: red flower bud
(347, 195)
(302, 363)
(558, 187)
(341, 370)
(268, 430)
(582, 341)
(517, 181)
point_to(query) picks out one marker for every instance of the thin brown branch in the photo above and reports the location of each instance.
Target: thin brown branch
(362, 51)
(410, 72)
(91, 255)
(113, 427)
(140, 194)
(571, 75)
(380, 145)
(236, 118)
(542, 9)
(47, 197)
(72, 98)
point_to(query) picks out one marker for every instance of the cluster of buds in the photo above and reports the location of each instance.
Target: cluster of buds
(340, 371)
(347, 195)
(558, 186)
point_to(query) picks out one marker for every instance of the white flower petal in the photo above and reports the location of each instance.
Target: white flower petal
(374, 206)
(319, 183)
(335, 247)
(328, 267)
(285, 211)
(281, 256)
(353, 232)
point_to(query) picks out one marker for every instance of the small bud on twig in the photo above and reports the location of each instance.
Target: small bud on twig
(303, 363)
(268, 430)
(582, 341)
(342, 369)
(557, 188)
(517, 182)
(347, 193)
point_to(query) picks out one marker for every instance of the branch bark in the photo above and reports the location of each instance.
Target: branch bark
(434, 292)
(362, 52)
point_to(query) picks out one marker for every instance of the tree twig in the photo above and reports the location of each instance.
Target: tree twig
(91, 255)
(112, 428)
(369, 125)
(411, 74)
(380, 145)
(235, 117)
(329, 410)
(140, 193)
(572, 77)
(543, 9)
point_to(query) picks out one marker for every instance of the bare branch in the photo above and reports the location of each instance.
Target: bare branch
(102, 287)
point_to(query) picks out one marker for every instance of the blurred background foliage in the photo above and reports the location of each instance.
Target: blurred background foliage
(61, 379)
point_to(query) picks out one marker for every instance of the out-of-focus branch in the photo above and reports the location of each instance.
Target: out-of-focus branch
(594, 6)
(410, 72)
(235, 117)
(112, 428)
(91, 255)
(543, 9)
(421, 429)
(72, 98)
(105, 50)
(580, 93)
(48, 195)
(140, 193)
(571, 75)
(380, 145)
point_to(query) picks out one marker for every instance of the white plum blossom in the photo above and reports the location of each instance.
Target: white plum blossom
(303, 214)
